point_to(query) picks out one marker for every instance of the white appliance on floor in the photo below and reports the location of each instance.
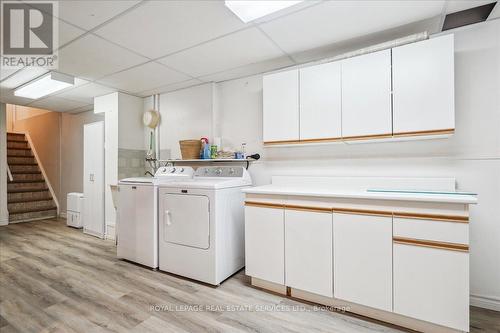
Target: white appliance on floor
(202, 224)
(74, 210)
(137, 215)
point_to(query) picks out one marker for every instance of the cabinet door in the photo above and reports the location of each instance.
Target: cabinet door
(126, 221)
(432, 285)
(264, 243)
(281, 106)
(423, 81)
(362, 261)
(308, 251)
(320, 102)
(366, 95)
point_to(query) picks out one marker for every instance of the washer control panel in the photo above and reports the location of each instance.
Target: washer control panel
(174, 171)
(220, 171)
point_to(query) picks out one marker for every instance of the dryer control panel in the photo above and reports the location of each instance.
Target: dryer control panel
(221, 171)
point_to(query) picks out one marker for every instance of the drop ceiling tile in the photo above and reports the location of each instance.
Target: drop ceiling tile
(144, 77)
(238, 49)
(85, 108)
(54, 103)
(68, 32)
(248, 70)
(91, 57)
(21, 77)
(334, 21)
(6, 72)
(171, 87)
(89, 14)
(86, 93)
(168, 26)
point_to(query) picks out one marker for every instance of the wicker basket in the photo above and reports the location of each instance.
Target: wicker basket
(190, 149)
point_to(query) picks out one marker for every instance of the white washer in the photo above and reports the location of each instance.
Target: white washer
(137, 215)
(202, 224)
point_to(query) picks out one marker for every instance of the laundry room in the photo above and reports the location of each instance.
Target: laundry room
(254, 166)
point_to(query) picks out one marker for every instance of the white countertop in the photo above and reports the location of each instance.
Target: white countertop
(322, 192)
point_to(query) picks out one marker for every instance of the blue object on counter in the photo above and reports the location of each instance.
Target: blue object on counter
(206, 151)
(238, 155)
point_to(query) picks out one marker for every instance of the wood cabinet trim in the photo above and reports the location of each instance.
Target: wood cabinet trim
(429, 132)
(431, 244)
(433, 217)
(281, 142)
(362, 212)
(367, 137)
(264, 204)
(309, 208)
(320, 140)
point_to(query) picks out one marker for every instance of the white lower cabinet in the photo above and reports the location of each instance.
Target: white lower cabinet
(308, 251)
(265, 243)
(432, 285)
(363, 259)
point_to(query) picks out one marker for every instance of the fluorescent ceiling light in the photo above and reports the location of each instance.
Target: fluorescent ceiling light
(251, 10)
(45, 85)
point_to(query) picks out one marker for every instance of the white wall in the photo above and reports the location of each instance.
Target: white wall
(4, 215)
(472, 155)
(185, 114)
(72, 152)
(130, 127)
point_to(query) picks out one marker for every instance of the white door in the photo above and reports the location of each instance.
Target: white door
(362, 270)
(432, 285)
(186, 220)
(308, 251)
(264, 243)
(320, 102)
(366, 95)
(423, 81)
(93, 178)
(281, 106)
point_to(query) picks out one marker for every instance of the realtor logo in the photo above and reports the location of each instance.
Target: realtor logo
(29, 34)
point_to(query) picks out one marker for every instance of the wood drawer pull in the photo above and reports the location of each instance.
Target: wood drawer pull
(429, 132)
(435, 217)
(431, 244)
(309, 208)
(264, 204)
(361, 212)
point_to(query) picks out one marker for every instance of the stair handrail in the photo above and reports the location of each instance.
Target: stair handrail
(40, 165)
(9, 174)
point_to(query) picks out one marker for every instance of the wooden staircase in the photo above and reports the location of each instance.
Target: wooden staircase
(28, 197)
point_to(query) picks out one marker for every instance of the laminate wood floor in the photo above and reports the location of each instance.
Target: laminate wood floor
(56, 279)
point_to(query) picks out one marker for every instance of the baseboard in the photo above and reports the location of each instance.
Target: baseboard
(4, 221)
(491, 303)
(62, 215)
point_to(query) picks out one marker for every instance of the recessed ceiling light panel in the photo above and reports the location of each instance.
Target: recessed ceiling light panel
(45, 85)
(251, 10)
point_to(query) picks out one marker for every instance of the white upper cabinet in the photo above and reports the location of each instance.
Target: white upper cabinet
(423, 81)
(320, 102)
(281, 106)
(366, 95)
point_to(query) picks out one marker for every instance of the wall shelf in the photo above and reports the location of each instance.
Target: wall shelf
(216, 160)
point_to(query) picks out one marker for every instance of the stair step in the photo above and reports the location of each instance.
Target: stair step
(15, 135)
(18, 148)
(31, 210)
(33, 195)
(21, 200)
(22, 181)
(30, 216)
(16, 163)
(26, 172)
(27, 189)
(39, 205)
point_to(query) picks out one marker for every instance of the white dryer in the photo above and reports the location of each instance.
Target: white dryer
(137, 215)
(202, 224)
